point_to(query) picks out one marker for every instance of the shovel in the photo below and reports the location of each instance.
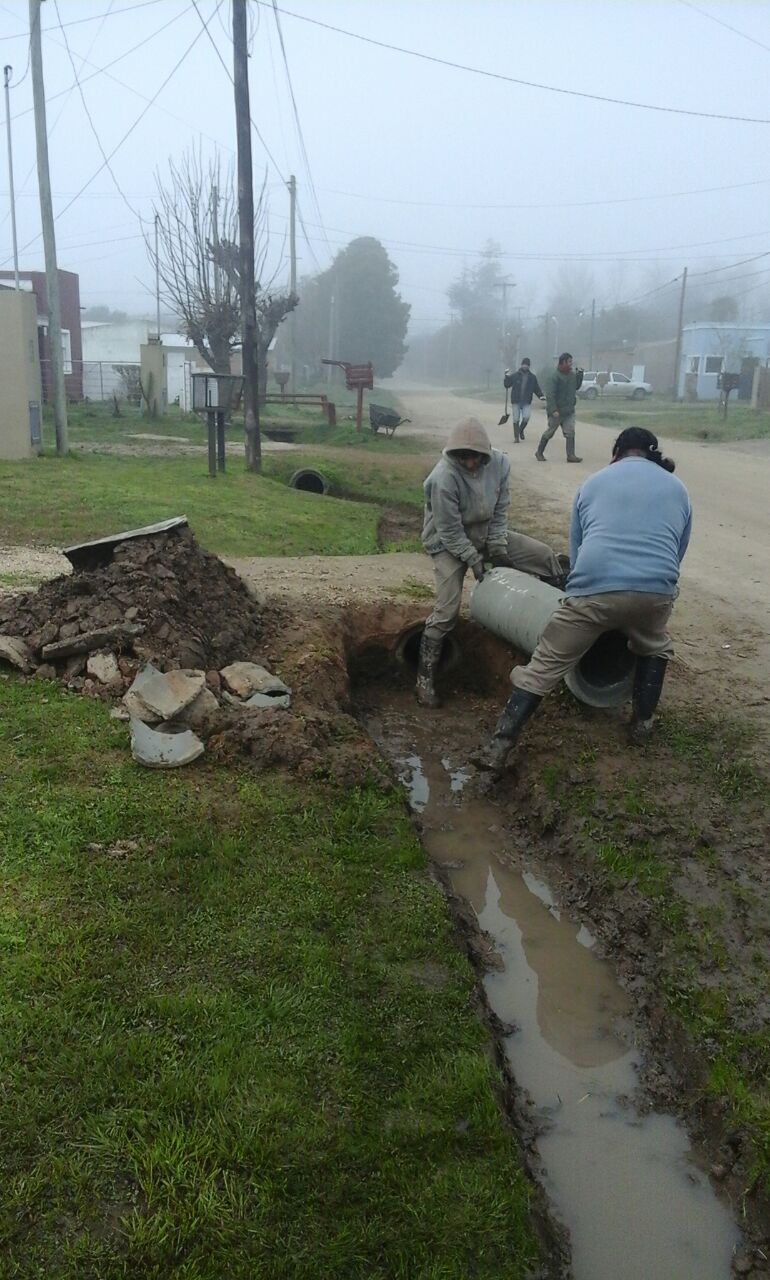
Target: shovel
(506, 414)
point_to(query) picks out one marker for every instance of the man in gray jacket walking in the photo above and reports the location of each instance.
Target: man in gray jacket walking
(466, 522)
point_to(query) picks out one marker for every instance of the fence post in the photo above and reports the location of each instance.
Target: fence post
(101, 381)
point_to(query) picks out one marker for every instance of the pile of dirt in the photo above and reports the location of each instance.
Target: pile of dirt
(170, 600)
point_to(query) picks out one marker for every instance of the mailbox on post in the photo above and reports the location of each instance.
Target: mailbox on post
(358, 378)
(216, 395)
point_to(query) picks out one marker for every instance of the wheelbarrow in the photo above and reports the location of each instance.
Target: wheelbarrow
(385, 419)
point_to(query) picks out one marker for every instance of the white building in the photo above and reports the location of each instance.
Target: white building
(108, 345)
(710, 348)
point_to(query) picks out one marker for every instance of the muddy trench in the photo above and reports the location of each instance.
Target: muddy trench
(623, 1188)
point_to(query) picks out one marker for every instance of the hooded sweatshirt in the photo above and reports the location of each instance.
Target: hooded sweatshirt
(465, 511)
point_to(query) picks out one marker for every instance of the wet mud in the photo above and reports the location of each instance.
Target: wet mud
(622, 1178)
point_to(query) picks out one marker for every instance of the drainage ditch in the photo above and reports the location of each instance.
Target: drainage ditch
(623, 1179)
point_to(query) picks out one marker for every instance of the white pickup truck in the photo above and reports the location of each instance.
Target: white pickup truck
(617, 384)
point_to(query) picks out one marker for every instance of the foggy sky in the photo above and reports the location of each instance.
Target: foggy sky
(381, 124)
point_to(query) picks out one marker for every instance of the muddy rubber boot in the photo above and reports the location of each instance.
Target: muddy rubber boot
(517, 435)
(648, 683)
(520, 706)
(571, 455)
(425, 689)
(540, 450)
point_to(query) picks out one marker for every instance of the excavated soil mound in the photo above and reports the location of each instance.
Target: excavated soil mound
(185, 605)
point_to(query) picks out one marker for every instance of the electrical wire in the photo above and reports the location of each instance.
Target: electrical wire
(527, 84)
(556, 204)
(229, 75)
(90, 119)
(123, 139)
(720, 23)
(76, 22)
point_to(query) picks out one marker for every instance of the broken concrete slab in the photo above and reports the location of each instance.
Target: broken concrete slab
(132, 698)
(270, 700)
(87, 555)
(246, 678)
(104, 668)
(202, 712)
(14, 649)
(164, 695)
(87, 641)
(163, 750)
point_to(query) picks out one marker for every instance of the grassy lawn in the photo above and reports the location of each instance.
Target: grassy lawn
(52, 500)
(238, 1037)
(679, 421)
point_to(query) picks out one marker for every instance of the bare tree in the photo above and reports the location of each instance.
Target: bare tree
(197, 260)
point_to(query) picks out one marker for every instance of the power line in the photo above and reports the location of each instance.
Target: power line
(720, 23)
(125, 136)
(527, 84)
(76, 22)
(89, 117)
(556, 204)
(229, 75)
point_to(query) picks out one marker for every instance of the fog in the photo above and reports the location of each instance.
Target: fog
(434, 161)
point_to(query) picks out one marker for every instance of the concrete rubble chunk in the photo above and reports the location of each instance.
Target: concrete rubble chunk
(201, 712)
(164, 695)
(87, 641)
(15, 651)
(271, 700)
(104, 668)
(246, 678)
(132, 698)
(163, 750)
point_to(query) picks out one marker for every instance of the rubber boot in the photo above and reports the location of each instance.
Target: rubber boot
(540, 451)
(648, 683)
(425, 689)
(517, 433)
(571, 455)
(520, 706)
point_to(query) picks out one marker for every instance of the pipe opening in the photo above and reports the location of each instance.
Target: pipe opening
(307, 480)
(603, 676)
(407, 651)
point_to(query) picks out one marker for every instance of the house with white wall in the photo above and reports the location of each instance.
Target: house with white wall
(710, 348)
(107, 344)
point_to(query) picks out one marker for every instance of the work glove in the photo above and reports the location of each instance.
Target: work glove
(478, 570)
(501, 560)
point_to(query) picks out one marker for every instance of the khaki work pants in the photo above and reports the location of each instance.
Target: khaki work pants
(527, 554)
(580, 620)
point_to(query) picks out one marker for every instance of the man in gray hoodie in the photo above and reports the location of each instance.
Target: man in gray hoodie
(466, 521)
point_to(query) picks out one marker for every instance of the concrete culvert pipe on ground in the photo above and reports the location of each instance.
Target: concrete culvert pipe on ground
(308, 480)
(407, 650)
(517, 607)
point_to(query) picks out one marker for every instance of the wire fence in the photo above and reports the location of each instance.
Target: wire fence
(107, 381)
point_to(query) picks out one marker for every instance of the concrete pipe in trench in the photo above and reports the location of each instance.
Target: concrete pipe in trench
(308, 480)
(516, 607)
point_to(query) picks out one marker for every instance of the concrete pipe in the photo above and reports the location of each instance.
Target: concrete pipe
(516, 607)
(308, 480)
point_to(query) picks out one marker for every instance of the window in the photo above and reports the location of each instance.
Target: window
(694, 364)
(714, 364)
(66, 350)
(620, 377)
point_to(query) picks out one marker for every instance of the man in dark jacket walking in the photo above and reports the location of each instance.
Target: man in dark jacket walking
(523, 385)
(561, 388)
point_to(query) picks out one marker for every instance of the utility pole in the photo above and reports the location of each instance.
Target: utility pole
(157, 275)
(591, 340)
(293, 278)
(215, 243)
(56, 354)
(246, 234)
(332, 326)
(680, 322)
(504, 285)
(7, 72)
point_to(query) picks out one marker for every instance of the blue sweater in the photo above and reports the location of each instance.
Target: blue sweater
(629, 531)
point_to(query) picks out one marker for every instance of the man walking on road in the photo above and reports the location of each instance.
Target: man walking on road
(523, 385)
(561, 388)
(629, 532)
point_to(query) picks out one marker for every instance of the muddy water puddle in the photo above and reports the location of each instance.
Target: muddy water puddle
(622, 1179)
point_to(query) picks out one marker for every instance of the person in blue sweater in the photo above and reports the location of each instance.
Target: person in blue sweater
(629, 532)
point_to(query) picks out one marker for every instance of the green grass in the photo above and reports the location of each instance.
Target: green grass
(238, 1038)
(52, 500)
(679, 421)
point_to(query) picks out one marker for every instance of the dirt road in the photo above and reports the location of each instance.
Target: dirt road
(722, 618)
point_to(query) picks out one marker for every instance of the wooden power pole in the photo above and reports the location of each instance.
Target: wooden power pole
(246, 234)
(293, 277)
(56, 353)
(678, 350)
